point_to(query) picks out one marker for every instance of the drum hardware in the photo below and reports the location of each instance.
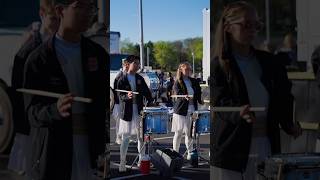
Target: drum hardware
(148, 140)
(196, 130)
(291, 166)
(235, 109)
(182, 96)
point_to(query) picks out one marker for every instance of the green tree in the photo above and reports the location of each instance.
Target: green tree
(165, 55)
(128, 47)
(194, 45)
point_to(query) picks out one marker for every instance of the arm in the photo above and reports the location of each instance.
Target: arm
(41, 111)
(284, 99)
(121, 85)
(221, 94)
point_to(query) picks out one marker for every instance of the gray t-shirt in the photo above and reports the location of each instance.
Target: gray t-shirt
(258, 95)
(69, 56)
(188, 84)
(132, 82)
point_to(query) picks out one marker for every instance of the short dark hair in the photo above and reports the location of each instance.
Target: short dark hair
(132, 58)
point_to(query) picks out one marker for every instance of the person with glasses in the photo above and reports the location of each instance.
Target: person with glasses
(130, 107)
(67, 135)
(245, 77)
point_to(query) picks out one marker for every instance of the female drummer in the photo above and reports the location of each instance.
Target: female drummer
(131, 104)
(245, 77)
(185, 106)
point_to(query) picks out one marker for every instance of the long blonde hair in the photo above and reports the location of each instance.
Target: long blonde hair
(179, 71)
(233, 12)
(179, 74)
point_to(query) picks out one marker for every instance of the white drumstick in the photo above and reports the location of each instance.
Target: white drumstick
(125, 91)
(235, 109)
(181, 96)
(51, 94)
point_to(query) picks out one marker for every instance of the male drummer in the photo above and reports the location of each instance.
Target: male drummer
(131, 104)
(67, 136)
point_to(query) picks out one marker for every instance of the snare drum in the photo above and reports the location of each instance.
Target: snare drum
(202, 121)
(293, 166)
(155, 120)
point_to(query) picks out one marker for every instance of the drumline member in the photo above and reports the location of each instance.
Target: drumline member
(67, 136)
(184, 107)
(131, 105)
(34, 37)
(116, 109)
(243, 76)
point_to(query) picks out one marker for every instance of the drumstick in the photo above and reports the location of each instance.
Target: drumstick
(206, 101)
(125, 91)
(51, 94)
(234, 109)
(181, 96)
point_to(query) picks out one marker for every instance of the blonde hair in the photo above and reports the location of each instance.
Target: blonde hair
(179, 73)
(232, 13)
(289, 41)
(48, 6)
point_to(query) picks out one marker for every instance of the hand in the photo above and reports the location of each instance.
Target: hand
(187, 97)
(246, 114)
(64, 105)
(130, 95)
(296, 130)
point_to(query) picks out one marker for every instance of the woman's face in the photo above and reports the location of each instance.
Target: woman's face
(186, 70)
(244, 30)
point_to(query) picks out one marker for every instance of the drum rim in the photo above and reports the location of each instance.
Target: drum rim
(8, 136)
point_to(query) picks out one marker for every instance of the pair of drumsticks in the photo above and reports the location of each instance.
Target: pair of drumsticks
(88, 100)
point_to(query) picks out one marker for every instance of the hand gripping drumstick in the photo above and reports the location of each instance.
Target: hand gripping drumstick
(125, 91)
(51, 94)
(235, 109)
(181, 96)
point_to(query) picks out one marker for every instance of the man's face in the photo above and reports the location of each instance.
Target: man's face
(79, 15)
(134, 66)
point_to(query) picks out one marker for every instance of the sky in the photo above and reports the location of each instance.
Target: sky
(165, 20)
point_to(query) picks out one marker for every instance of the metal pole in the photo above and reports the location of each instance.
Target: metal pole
(141, 35)
(102, 13)
(193, 64)
(148, 54)
(267, 21)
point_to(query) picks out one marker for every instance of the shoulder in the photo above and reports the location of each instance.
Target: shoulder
(119, 75)
(39, 54)
(94, 46)
(138, 76)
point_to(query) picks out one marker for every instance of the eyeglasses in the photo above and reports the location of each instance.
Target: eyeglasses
(87, 7)
(257, 25)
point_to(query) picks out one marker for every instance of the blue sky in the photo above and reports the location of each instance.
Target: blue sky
(166, 20)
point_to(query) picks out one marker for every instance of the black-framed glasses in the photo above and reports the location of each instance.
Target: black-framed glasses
(257, 25)
(91, 7)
